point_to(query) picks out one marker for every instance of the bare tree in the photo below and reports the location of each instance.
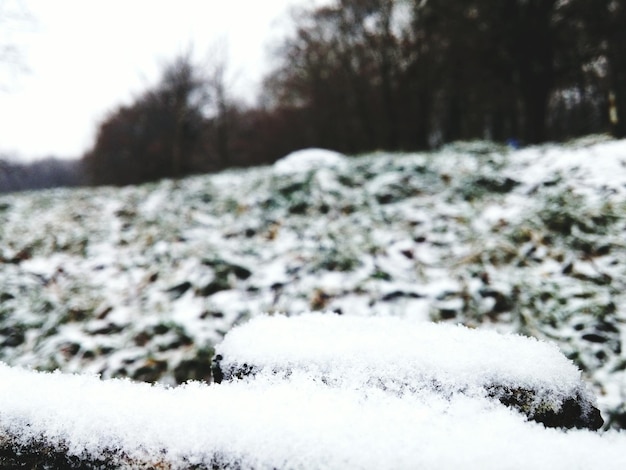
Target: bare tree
(222, 104)
(183, 93)
(180, 126)
(159, 135)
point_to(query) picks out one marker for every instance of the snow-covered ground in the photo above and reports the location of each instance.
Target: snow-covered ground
(143, 282)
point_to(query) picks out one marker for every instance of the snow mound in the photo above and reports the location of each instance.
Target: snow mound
(309, 160)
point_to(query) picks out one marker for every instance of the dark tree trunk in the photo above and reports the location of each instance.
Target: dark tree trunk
(535, 97)
(535, 64)
(617, 68)
(619, 125)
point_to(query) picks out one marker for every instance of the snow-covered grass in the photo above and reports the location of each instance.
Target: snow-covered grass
(143, 282)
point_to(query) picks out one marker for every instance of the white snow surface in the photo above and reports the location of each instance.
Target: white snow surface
(299, 422)
(354, 350)
(309, 160)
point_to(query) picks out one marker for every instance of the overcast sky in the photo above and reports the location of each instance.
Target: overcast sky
(85, 57)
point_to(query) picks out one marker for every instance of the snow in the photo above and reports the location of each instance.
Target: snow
(354, 350)
(596, 163)
(527, 241)
(302, 161)
(299, 421)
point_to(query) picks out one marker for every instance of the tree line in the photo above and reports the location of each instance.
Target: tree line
(362, 75)
(41, 174)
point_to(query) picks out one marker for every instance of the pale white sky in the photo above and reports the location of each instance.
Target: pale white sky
(88, 56)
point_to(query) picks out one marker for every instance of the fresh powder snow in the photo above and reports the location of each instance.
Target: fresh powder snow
(354, 350)
(272, 421)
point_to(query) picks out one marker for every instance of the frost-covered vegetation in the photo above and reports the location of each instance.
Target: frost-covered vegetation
(143, 282)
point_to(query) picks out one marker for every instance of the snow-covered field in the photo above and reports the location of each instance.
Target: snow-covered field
(143, 282)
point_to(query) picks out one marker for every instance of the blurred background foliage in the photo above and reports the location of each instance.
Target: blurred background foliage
(362, 75)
